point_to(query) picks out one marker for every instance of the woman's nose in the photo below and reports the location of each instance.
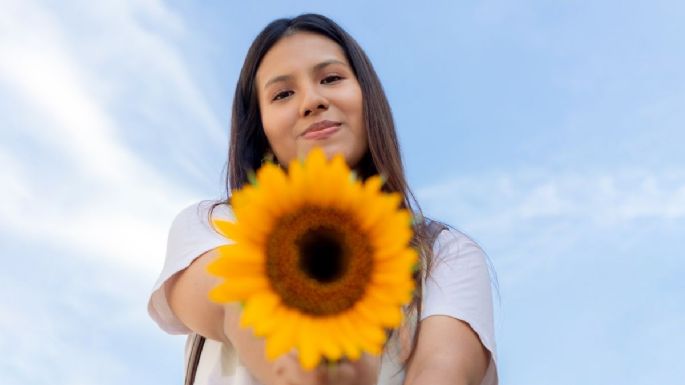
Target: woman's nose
(313, 101)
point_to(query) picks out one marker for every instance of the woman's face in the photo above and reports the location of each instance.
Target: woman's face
(309, 97)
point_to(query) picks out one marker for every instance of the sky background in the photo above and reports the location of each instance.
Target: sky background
(550, 132)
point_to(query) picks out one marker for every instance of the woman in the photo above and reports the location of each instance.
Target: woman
(305, 83)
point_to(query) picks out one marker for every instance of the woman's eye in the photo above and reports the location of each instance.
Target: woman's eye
(282, 95)
(331, 79)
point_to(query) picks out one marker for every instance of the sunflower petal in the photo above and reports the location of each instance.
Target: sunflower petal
(274, 181)
(285, 337)
(237, 289)
(308, 353)
(348, 348)
(398, 296)
(329, 347)
(241, 252)
(316, 165)
(230, 230)
(236, 261)
(385, 315)
(369, 336)
(298, 183)
(258, 310)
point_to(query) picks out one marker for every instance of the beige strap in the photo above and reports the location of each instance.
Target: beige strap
(194, 358)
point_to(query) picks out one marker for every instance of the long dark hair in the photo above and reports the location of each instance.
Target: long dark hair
(248, 143)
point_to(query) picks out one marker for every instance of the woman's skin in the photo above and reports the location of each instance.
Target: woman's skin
(304, 79)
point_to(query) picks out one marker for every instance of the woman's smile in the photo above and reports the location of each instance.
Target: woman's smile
(321, 130)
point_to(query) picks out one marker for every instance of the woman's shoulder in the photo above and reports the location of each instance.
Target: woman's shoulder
(460, 284)
(197, 215)
(455, 252)
(201, 209)
(191, 228)
(451, 237)
(190, 236)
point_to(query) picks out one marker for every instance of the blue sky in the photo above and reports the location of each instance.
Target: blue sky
(550, 132)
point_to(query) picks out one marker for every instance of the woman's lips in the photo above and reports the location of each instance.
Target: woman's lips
(322, 133)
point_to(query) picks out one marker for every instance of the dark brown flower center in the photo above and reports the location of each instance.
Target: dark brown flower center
(318, 261)
(321, 254)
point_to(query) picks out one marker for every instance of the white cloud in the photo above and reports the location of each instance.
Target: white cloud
(602, 199)
(63, 326)
(532, 221)
(42, 345)
(103, 126)
(90, 190)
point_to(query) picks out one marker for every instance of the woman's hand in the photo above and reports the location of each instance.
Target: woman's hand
(288, 371)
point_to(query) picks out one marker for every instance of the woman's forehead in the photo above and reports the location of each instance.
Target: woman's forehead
(301, 51)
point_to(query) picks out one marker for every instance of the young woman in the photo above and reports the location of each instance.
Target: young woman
(305, 83)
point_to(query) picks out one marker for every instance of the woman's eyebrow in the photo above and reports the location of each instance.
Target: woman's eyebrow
(326, 63)
(281, 78)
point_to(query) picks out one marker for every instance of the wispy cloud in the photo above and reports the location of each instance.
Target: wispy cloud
(583, 259)
(529, 220)
(598, 198)
(105, 137)
(71, 321)
(106, 131)
(96, 193)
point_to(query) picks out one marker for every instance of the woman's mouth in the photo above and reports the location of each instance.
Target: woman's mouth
(321, 130)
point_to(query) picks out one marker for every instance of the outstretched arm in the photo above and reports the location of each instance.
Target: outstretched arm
(448, 351)
(187, 292)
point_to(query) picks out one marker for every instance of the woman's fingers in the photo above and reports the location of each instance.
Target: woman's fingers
(289, 372)
(342, 373)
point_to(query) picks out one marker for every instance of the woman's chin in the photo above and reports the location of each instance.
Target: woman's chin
(330, 149)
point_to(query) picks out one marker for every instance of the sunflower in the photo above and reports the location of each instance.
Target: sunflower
(320, 261)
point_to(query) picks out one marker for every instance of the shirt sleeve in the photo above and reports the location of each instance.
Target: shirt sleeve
(190, 236)
(459, 286)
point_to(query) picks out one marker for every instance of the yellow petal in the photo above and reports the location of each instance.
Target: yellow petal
(255, 218)
(379, 208)
(233, 262)
(379, 312)
(258, 311)
(273, 181)
(241, 252)
(315, 166)
(347, 199)
(389, 279)
(326, 341)
(285, 337)
(297, 179)
(399, 295)
(347, 343)
(406, 255)
(373, 184)
(228, 229)
(369, 336)
(348, 332)
(237, 289)
(396, 293)
(308, 353)
(270, 323)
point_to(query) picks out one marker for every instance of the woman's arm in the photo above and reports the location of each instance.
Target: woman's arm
(448, 352)
(187, 292)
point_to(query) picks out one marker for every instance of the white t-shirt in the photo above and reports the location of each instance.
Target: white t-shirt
(459, 287)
